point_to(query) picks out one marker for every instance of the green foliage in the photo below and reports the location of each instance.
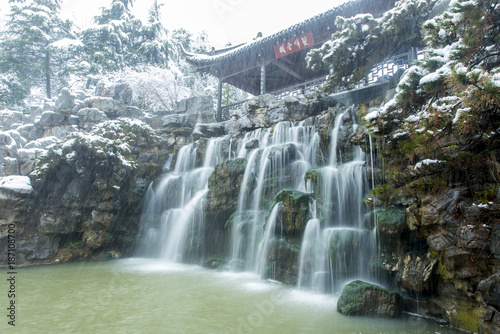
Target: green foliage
(382, 192)
(74, 245)
(31, 28)
(363, 41)
(487, 193)
(446, 106)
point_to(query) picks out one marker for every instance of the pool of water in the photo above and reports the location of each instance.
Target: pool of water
(148, 296)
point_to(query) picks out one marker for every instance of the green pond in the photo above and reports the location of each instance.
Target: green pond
(148, 296)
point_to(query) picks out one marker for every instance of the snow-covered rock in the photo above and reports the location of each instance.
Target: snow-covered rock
(16, 184)
(91, 116)
(27, 159)
(30, 132)
(65, 102)
(10, 117)
(111, 107)
(49, 119)
(118, 91)
(61, 132)
(42, 142)
(10, 166)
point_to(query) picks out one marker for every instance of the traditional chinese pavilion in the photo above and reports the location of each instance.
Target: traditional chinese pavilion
(276, 62)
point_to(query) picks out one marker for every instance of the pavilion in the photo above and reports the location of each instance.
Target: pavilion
(277, 62)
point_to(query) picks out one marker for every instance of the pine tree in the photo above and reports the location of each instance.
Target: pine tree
(363, 41)
(25, 53)
(119, 40)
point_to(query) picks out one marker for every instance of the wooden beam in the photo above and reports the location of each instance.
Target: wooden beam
(288, 70)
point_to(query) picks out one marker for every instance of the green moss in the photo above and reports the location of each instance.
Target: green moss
(351, 300)
(295, 213)
(466, 319)
(74, 245)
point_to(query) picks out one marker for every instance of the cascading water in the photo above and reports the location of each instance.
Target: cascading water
(335, 245)
(173, 216)
(283, 156)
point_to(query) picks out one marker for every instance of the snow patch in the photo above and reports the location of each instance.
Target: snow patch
(16, 183)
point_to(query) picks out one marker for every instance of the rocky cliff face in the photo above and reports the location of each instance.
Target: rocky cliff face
(74, 174)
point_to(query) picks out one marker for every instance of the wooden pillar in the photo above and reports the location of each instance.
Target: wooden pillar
(263, 77)
(219, 102)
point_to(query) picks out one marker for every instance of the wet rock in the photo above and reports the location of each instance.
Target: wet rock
(416, 272)
(283, 260)
(490, 290)
(365, 299)
(224, 186)
(252, 144)
(208, 130)
(38, 248)
(295, 213)
(390, 222)
(94, 239)
(54, 224)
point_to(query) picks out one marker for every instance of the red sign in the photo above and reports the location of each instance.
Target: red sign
(294, 44)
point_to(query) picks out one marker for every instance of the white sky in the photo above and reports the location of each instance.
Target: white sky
(223, 20)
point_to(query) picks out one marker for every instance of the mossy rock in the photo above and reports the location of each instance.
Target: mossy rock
(365, 299)
(295, 213)
(390, 222)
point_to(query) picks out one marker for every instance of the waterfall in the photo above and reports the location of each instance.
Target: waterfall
(283, 156)
(337, 248)
(335, 245)
(173, 220)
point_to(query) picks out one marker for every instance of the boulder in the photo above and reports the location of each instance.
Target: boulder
(27, 159)
(118, 91)
(111, 107)
(94, 239)
(91, 116)
(295, 212)
(10, 117)
(365, 299)
(16, 185)
(30, 132)
(42, 143)
(65, 102)
(49, 119)
(196, 105)
(416, 272)
(490, 290)
(10, 166)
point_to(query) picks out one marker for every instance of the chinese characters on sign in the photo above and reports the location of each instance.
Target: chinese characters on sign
(295, 44)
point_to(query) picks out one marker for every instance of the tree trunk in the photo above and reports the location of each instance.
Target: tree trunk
(47, 75)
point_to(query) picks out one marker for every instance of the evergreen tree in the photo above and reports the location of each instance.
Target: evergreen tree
(447, 105)
(363, 41)
(25, 53)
